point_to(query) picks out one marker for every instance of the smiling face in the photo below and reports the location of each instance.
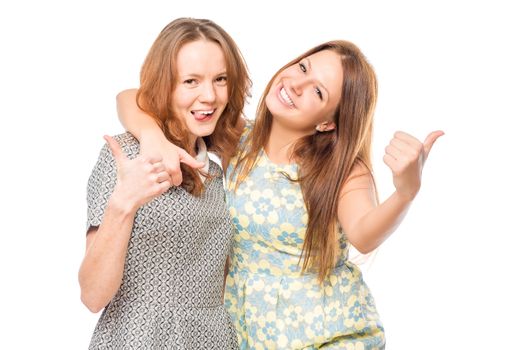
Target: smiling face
(306, 94)
(200, 94)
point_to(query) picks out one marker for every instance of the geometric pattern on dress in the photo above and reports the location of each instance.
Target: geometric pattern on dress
(171, 291)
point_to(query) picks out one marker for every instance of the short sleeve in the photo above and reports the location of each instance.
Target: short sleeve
(100, 186)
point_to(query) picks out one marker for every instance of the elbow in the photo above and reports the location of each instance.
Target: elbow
(123, 95)
(362, 244)
(364, 247)
(94, 303)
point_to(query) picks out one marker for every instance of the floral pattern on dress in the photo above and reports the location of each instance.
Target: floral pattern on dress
(273, 304)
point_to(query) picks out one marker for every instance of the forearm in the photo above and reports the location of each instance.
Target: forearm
(102, 269)
(134, 120)
(379, 223)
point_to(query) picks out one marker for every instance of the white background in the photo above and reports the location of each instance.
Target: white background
(447, 279)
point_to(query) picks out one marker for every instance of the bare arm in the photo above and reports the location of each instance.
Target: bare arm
(102, 269)
(366, 224)
(134, 120)
(138, 181)
(153, 142)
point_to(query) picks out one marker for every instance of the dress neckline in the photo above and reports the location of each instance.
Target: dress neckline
(290, 168)
(280, 165)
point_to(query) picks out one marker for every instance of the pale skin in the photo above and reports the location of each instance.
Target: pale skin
(302, 100)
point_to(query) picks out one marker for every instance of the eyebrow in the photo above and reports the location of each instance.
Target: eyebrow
(196, 75)
(308, 62)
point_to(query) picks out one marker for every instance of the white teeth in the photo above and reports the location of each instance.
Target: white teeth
(204, 112)
(286, 97)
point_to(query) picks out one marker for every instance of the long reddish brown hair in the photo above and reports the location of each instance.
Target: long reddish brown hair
(325, 159)
(158, 81)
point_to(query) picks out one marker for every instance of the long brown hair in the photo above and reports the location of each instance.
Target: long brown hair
(325, 159)
(157, 84)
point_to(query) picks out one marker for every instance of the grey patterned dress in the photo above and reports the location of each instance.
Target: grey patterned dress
(171, 292)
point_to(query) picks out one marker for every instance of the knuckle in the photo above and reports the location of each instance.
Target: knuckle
(172, 168)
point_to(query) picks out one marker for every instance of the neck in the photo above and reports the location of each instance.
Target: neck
(279, 147)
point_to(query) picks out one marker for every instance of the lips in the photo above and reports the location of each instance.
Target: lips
(284, 97)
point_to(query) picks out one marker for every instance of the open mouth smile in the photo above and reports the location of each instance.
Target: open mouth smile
(284, 97)
(203, 115)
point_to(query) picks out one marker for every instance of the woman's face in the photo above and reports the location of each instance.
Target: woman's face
(307, 94)
(200, 94)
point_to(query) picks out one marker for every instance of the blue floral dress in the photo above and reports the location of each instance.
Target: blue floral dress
(274, 305)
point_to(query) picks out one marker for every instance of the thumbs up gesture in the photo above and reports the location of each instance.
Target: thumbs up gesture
(139, 180)
(405, 156)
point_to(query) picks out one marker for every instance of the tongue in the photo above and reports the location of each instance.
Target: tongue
(201, 116)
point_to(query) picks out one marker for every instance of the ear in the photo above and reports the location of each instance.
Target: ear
(330, 126)
(325, 126)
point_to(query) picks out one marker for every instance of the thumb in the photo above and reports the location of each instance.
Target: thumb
(115, 149)
(430, 140)
(187, 159)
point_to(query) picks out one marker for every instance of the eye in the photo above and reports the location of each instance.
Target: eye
(319, 93)
(221, 81)
(190, 82)
(302, 67)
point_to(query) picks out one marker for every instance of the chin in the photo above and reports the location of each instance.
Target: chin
(204, 131)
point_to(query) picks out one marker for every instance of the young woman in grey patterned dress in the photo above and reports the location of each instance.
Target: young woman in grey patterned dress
(155, 254)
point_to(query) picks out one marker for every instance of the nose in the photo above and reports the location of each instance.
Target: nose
(298, 84)
(207, 92)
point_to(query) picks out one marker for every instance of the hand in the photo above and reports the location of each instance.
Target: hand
(139, 180)
(171, 156)
(405, 156)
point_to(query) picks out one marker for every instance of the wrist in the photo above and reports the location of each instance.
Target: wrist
(121, 205)
(405, 198)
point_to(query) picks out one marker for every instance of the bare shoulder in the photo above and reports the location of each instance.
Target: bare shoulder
(359, 169)
(360, 178)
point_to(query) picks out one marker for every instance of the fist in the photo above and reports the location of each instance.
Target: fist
(405, 155)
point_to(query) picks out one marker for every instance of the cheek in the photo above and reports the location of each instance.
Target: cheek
(272, 99)
(183, 99)
(222, 94)
(315, 114)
